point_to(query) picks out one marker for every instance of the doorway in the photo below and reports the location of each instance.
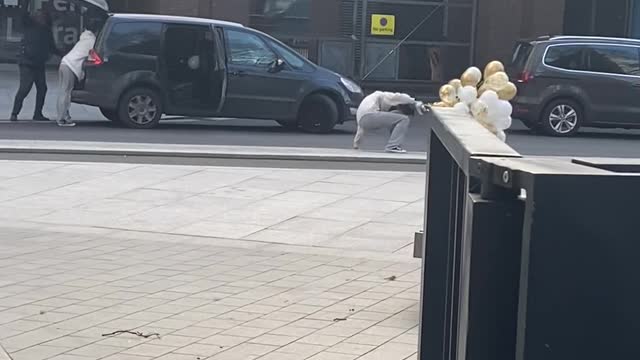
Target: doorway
(194, 74)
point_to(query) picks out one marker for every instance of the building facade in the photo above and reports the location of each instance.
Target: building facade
(360, 38)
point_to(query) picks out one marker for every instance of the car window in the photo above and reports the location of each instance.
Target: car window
(135, 38)
(569, 57)
(611, 59)
(520, 56)
(289, 56)
(248, 49)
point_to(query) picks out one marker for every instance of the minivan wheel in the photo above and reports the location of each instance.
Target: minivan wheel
(140, 108)
(319, 114)
(111, 115)
(562, 118)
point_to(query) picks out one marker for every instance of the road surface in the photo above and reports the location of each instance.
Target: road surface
(614, 143)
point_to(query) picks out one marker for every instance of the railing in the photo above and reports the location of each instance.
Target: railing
(526, 258)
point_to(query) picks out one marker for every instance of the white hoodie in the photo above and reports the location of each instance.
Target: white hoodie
(76, 57)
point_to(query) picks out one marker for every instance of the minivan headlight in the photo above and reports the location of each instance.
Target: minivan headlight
(351, 85)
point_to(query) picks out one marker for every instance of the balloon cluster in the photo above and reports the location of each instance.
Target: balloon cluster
(487, 101)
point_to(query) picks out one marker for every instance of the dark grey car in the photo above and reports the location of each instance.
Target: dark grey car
(567, 82)
(144, 66)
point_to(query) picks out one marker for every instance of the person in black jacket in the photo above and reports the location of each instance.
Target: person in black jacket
(36, 47)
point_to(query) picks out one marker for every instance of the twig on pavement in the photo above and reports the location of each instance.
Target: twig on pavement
(137, 333)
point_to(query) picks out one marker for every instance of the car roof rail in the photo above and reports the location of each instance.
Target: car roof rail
(593, 38)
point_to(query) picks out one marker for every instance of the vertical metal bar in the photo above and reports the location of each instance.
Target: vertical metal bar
(354, 36)
(594, 7)
(445, 21)
(628, 17)
(456, 242)
(363, 38)
(474, 33)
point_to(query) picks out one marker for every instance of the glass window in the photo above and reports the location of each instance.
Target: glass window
(281, 16)
(569, 57)
(521, 55)
(624, 60)
(289, 56)
(248, 49)
(135, 38)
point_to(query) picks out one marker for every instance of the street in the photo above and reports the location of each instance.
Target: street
(93, 127)
(590, 142)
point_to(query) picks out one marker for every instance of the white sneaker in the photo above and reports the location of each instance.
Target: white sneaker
(65, 123)
(396, 150)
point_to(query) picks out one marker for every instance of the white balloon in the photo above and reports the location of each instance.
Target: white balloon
(461, 108)
(478, 107)
(500, 109)
(502, 136)
(477, 73)
(502, 123)
(468, 94)
(490, 98)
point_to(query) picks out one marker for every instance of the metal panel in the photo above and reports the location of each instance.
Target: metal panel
(490, 278)
(337, 56)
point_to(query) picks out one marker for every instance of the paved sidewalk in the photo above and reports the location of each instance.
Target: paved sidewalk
(223, 263)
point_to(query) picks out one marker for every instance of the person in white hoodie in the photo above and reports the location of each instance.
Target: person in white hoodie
(71, 70)
(386, 110)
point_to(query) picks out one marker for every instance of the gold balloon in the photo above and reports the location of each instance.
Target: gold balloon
(508, 92)
(456, 83)
(497, 81)
(448, 95)
(471, 77)
(492, 68)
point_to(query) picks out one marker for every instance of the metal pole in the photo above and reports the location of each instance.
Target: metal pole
(363, 39)
(474, 32)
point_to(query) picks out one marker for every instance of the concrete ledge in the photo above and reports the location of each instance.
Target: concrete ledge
(206, 151)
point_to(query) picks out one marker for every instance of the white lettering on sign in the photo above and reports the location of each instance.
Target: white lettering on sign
(66, 35)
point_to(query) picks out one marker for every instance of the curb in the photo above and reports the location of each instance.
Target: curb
(207, 152)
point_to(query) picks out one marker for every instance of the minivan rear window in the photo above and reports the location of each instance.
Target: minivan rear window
(142, 38)
(521, 54)
(568, 57)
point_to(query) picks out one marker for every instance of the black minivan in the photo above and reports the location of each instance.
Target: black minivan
(567, 82)
(144, 66)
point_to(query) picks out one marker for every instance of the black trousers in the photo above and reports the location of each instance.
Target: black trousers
(30, 75)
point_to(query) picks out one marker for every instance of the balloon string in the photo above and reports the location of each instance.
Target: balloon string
(402, 41)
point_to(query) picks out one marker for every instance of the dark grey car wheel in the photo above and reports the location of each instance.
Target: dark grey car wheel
(562, 118)
(140, 108)
(319, 114)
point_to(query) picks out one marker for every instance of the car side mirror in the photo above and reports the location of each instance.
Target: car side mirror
(276, 66)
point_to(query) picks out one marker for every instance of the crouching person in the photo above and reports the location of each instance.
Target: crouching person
(385, 110)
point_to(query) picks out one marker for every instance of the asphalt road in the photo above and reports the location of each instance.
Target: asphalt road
(613, 143)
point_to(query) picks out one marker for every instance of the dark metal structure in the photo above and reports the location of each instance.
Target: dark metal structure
(527, 258)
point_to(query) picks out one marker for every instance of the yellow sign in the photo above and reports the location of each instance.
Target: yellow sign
(383, 24)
